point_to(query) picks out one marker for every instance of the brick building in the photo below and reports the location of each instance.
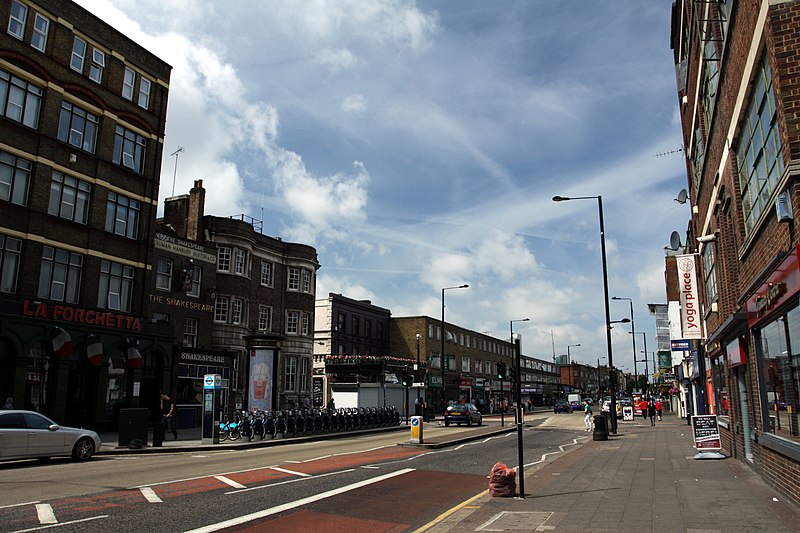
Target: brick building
(738, 77)
(82, 115)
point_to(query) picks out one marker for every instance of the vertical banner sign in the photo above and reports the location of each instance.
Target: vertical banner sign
(261, 374)
(690, 308)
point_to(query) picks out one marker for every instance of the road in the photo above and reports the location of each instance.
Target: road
(365, 483)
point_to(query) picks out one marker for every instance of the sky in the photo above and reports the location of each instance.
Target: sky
(418, 145)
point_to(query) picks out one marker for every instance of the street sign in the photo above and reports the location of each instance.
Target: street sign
(417, 385)
(680, 345)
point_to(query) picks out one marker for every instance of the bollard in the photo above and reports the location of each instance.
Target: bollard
(600, 428)
(158, 434)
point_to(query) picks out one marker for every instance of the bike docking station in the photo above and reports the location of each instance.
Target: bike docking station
(416, 430)
(212, 398)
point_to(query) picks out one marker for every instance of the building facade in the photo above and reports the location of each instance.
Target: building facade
(736, 280)
(82, 117)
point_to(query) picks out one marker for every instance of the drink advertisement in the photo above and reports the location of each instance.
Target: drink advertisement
(262, 364)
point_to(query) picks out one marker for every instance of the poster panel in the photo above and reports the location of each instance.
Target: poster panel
(260, 385)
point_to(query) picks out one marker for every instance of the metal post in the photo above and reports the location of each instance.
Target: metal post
(518, 361)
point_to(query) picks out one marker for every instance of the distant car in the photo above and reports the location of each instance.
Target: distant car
(576, 406)
(607, 407)
(28, 434)
(562, 407)
(462, 413)
(589, 401)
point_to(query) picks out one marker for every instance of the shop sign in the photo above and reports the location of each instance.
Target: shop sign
(465, 382)
(79, 315)
(782, 284)
(188, 249)
(191, 305)
(690, 308)
(736, 354)
(680, 345)
(479, 383)
(205, 358)
(434, 381)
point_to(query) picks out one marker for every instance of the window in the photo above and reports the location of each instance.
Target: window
(129, 149)
(221, 305)
(478, 366)
(292, 322)
(779, 342)
(294, 279)
(190, 332)
(122, 215)
(306, 281)
(78, 127)
(264, 318)
(237, 309)
(304, 324)
(239, 262)
(116, 286)
(356, 328)
(290, 381)
(196, 274)
(710, 79)
(368, 328)
(97, 66)
(760, 161)
(144, 93)
(78, 54)
(465, 364)
(304, 374)
(341, 323)
(709, 261)
(266, 273)
(20, 100)
(60, 275)
(69, 198)
(380, 330)
(128, 80)
(41, 25)
(15, 175)
(164, 274)
(16, 21)
(434, 361)
(10, 255)
(430, 331)
(224, 259)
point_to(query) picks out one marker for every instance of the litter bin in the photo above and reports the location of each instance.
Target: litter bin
(600, 428)
(158, 433)
(133, 427)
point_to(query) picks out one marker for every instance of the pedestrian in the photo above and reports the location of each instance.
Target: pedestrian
(9, 403)
(651, 412)
(587, 418)
(643, 407)
(659, 409)
(168, 417)
(331, 404)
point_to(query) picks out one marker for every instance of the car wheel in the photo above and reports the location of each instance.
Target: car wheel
(83, 450)
(469, 422)
(446, 424)
(480, 421)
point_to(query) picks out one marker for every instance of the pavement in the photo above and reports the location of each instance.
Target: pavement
(642, 479)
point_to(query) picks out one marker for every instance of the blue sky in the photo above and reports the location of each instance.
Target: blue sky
(417, 145)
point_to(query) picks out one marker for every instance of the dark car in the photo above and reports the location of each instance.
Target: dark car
(562, 407)
(463, 413)
(576, 406)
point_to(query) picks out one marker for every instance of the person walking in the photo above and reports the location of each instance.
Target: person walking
(651, 412)
(168, 417)
(587, 418)
(643, 407)
(659, 409)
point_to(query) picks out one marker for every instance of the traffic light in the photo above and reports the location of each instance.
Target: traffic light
(501, 371)
(406, 378)
(512, 374)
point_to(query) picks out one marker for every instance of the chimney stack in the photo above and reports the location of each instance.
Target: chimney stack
(197, 201)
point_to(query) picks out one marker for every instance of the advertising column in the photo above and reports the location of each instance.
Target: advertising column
(261, 386)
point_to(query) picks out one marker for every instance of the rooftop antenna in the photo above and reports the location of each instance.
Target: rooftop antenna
(175, 172)
(554, 345)
(669, 152)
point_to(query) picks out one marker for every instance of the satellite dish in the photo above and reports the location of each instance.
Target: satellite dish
(682, 196)
(675, 240)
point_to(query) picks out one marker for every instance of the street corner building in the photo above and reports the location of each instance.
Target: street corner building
(733, 286)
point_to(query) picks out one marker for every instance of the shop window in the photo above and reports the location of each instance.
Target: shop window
(780, 366)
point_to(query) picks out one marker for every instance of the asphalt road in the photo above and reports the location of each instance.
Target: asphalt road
(366, 483)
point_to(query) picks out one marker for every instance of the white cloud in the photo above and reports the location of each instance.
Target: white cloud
(336, 60)
(354, 103)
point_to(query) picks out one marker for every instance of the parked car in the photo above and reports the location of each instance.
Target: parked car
(28, 434)
(607, 407)
(462, 413)
(576, 406)
(562, 407)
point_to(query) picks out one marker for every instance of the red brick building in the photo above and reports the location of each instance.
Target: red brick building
(739, 94)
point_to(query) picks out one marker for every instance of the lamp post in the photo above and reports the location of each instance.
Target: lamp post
(443, 359)
(633, 335)
(599, 199)
(569, 357)
(517, 361)
(599, 394)
(417, 368)
(646, 386)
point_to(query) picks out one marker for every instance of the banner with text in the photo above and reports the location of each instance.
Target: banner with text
(690, 307)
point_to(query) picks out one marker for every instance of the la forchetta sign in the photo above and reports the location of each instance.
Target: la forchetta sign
(79, 315)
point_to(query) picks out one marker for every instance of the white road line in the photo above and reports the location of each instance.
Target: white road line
(292, 472)
(298, 503)
(230, 482)
(45, 513)
(288, 481)
(71, 522)
(18, 504)
(150, 495)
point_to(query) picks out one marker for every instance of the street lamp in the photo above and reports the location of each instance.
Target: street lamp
(599, 395)
(569, 357)
(416, 374)
(517, 361)
(633, 334)
(613, 388)
(443, 359)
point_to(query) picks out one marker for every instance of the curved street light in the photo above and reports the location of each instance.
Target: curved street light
(518, 395)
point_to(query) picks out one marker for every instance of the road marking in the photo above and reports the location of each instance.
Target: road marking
(71, 522)
(449, 512)
(45, 513)
(292, 472)
(298, 503)
(150, 495)
(18, 504)
(230, 482)
(295, 480)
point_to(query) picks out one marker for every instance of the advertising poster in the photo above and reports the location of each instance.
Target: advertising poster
(706, 432)
(260, 387)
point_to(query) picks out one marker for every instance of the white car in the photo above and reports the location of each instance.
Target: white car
(28, 434)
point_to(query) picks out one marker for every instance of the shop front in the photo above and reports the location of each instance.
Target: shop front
(193, 364)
